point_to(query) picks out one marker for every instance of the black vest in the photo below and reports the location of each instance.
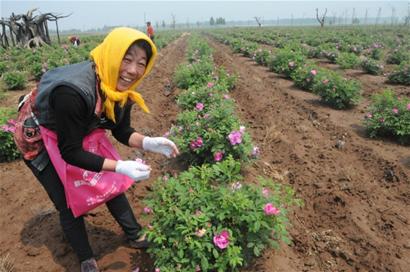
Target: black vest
(80, 77)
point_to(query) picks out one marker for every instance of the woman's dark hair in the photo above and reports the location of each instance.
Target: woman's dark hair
(143, 44)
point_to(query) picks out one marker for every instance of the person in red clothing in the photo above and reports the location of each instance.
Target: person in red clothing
(150, 31)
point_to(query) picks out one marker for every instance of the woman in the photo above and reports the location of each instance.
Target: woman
(75, 100)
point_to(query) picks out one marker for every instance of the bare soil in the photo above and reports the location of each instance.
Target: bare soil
(356, 190)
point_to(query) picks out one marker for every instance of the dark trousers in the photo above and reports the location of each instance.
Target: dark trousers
(74, 228)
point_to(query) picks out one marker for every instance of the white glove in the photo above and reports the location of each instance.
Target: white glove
(160, 145)
(134, 169)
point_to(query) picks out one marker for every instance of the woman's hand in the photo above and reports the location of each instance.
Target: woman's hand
(160, 145)
(133, 169)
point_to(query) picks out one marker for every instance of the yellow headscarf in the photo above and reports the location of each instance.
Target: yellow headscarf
(108, 57)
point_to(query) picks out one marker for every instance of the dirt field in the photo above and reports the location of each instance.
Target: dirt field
(356, 190)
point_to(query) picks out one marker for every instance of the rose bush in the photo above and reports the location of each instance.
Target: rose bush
(208, 218)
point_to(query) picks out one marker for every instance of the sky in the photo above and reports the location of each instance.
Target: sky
(97, 14)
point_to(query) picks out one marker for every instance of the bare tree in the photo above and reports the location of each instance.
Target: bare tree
(258, 20)
(29, 30)
(321, 19)
(4, 42)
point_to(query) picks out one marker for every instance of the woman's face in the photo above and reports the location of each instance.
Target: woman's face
(132, 67)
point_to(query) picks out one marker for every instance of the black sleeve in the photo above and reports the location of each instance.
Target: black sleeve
(122, 132)
(72, 122)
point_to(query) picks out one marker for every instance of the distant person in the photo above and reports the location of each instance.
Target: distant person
(74, 40)
(78, 100)
(150, 31)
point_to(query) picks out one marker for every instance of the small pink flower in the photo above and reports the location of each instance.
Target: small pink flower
(157, 270)
(199, 106)
(196, 143)
(210, 94)
(200, 232)
(197, 268)
(395, 110)
(269, 209)
(325, 81)
(147, 210)
(206, 116)
(226, 96)
(199, 141)
(265, 192)
(235, 137)
(218, 156)
(255, 152)
(222, 240)
(210, 84)
(408, 106)
(291, 64)
(313, 72)
(165, 178)
(368, 115)
(242, 129)
(381, 120)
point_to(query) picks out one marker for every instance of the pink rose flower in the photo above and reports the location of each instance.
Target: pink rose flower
(222, 240)
(210, 84)
(255, 151)
(147, 210)
(196, 143)
(218, 156)
(369, 115)
(395, 110)
(235, 137)
(269, 209)
(226, 96)
(313, 72)
(265, 192)
(408, 106)
(199, 106)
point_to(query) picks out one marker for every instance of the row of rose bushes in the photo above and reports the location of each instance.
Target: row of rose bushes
(346, 60)
(390, 113)
(20, 65)
(390, 45)
(208, 218)
(292, 63)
